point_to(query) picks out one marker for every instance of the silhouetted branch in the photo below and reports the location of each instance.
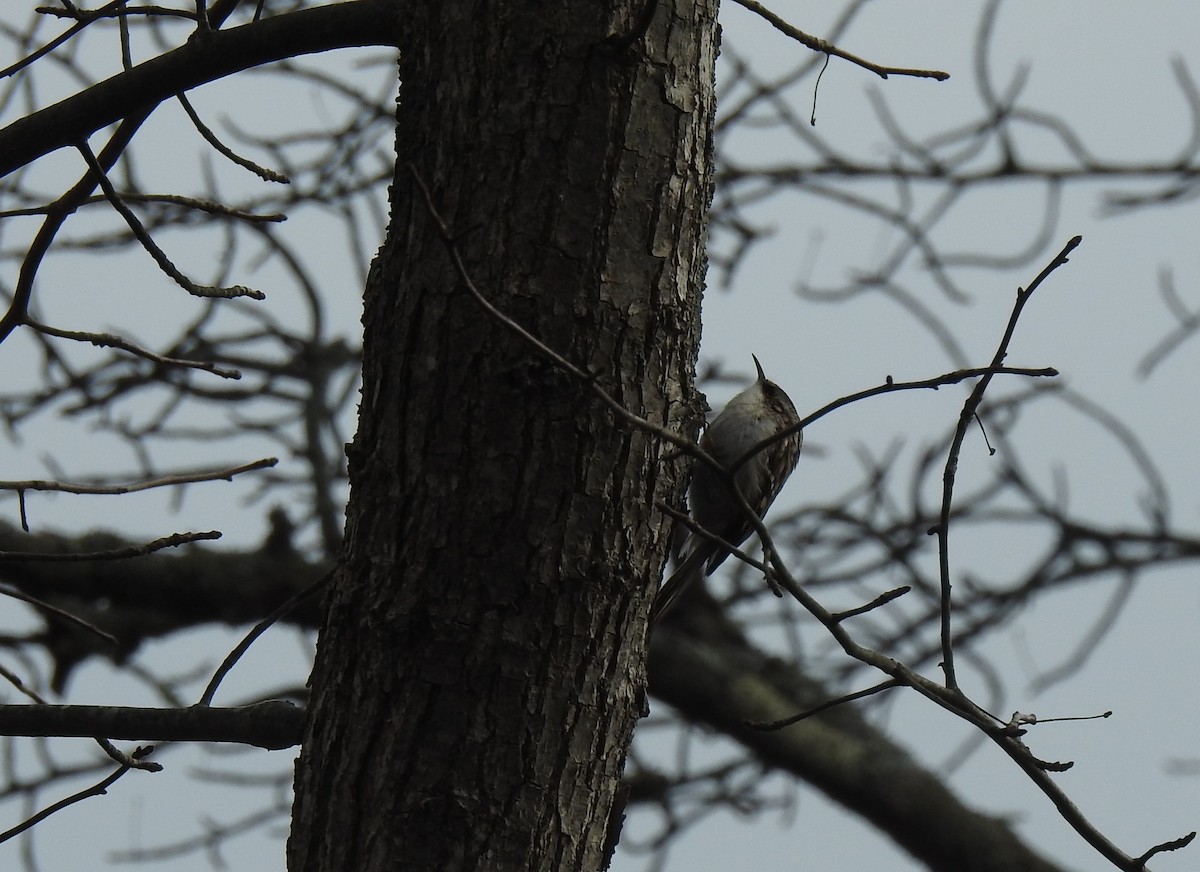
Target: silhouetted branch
(169, 480)
(172, 541)
(969, 411)
(206, 58)
(99, 789)
(820, 45)
(272, 725)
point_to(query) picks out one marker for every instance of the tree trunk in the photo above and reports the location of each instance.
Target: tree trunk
(482, 663)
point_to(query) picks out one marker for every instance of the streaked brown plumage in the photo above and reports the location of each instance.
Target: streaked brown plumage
(760, 411)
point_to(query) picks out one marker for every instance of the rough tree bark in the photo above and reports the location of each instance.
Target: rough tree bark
(482, 663)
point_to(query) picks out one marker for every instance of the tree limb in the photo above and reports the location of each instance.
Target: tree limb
(702, 665)
(205, 58)
(273, 725)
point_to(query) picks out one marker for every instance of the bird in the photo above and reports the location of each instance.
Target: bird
(760, 411)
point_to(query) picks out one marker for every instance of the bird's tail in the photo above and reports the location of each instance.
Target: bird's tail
(691, 569)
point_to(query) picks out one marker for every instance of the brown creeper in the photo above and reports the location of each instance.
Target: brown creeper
(760, 411)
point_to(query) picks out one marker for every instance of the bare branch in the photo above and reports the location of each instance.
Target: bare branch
(261, 627)
(881, 600)
(825, 706)
(160, 257)
(54, 611)
(99, 789)
(969, 410)
(819, 45)
(170, 480)
(172, 541)
(206, 58)
(122, 759)
(1173, 845)
(108, 340)
(211, 138)
(273, 724)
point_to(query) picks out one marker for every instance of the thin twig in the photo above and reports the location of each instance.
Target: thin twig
(98, 789)
(969, 410)
(1173, 845)
(172, 541)
(113, 10)
(192, 203)
(881, 600)
(768, 726)
(56, 216)
(261, 627)
(55, 611)
(44, 50)
(263, 173)
(170, 480)
(142, 236)
(819, 45)
(109, 340)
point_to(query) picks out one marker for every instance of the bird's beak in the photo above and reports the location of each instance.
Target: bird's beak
(761, 375)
